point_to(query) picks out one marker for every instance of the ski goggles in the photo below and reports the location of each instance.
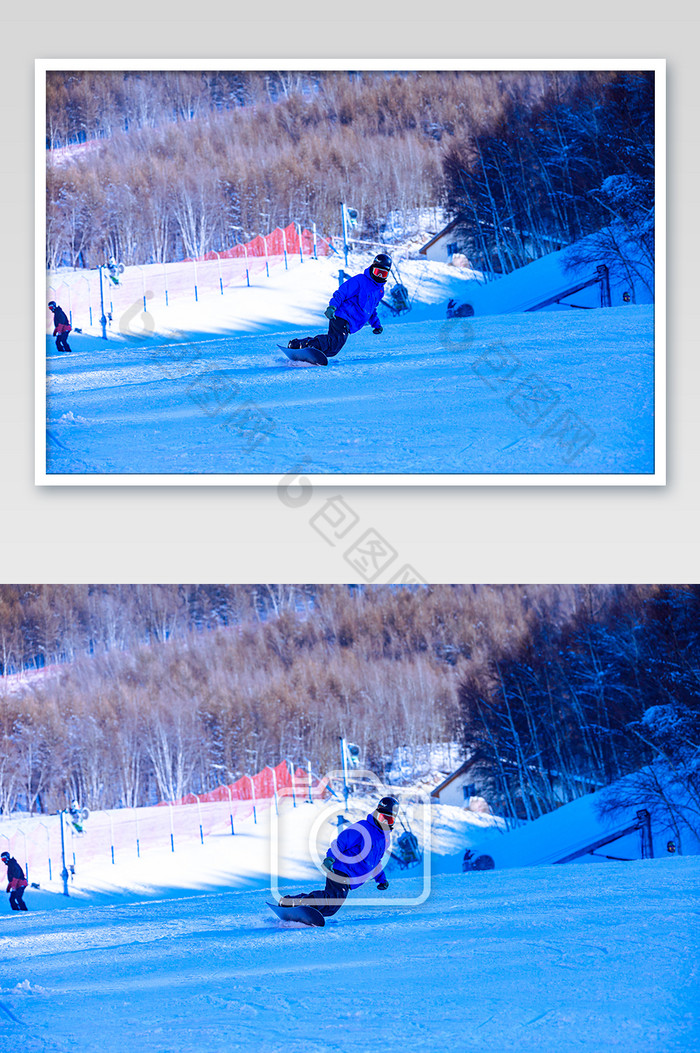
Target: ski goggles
(388, 819)
(380, 272)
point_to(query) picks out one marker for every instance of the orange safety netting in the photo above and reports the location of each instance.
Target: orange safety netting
(263, 786)
(126, 834)
(282, 239)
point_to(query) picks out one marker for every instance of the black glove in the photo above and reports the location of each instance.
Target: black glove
(378, 330)
(382, 885)
(328, 863)
(329, 312)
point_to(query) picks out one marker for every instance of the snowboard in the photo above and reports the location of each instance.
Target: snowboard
(305, 354)
(306, 915)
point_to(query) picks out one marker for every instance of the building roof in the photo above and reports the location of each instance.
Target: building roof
(440, 234)
(465, 766)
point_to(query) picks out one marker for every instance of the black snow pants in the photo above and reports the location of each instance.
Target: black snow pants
(16, 900)
(62, 342)
(332, 341)
(332, 892)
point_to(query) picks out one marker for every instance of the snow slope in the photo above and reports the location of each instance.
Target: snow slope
(558, 959)
(528, 287)
(175, 951)
(201, 390)
(573, 828)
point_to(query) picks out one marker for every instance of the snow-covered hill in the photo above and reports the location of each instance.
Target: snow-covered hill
(201, 389)
(171, 951)
(554, 960)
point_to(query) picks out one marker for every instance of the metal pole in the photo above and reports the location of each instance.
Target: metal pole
(292, 772)
(111, 834)
(310, 797)
(274, 788)
(199, 812)
(172, 832)
(301, 251)
(313, 229)
(345, 233)
(165, 282)
(247, 275)
(252, 796)
(85, 279)
(103, 319)
(343, 757)
(26, 864)
(196, 298)
(267, 262)
(284, 242)
(64, 872)
(230, 806)
(221, 284)
(48, 847)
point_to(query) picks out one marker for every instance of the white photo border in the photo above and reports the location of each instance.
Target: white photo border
(655, 478)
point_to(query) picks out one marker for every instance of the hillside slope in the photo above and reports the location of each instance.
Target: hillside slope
(556, 960)
(208, 393)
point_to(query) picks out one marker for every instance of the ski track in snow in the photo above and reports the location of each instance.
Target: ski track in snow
(500, 397)
(554, 959)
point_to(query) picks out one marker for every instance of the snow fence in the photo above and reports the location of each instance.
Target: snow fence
(154, 286)
(120, 835)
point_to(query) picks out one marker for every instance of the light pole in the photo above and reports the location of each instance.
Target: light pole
(103, 323)
(344, 759)
(274, 787)
(64, 871)
(252, 795)
(345, 233)
(292, 773)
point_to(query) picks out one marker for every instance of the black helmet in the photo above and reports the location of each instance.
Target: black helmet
(52, 305)
(5, 856)
(379, 268)
(388, 806)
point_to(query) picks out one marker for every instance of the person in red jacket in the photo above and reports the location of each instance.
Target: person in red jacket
(62, 326)
(16, 881)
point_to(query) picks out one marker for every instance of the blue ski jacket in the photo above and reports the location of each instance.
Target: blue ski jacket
(356, 301)
(358, 851)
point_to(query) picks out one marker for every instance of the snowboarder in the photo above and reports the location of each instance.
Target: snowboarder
(352, 306)
(354, 857)
(16, 881)
(62, 326)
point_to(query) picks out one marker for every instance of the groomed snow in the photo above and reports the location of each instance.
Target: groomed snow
(201, 389)
(181, 953)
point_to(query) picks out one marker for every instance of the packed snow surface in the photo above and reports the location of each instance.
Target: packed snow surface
(554, 959)
(180, 952)
(201, 388)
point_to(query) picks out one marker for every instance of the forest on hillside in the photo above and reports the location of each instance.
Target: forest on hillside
(178, 164)
(153, 692)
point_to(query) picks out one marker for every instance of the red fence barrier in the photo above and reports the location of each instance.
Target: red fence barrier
(291, 239)
(154, 286)
(125, 834)
(263, 786)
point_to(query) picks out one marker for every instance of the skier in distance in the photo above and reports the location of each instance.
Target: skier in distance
(352, 306)
(353, 858)
(16, 881)
(61, 326)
